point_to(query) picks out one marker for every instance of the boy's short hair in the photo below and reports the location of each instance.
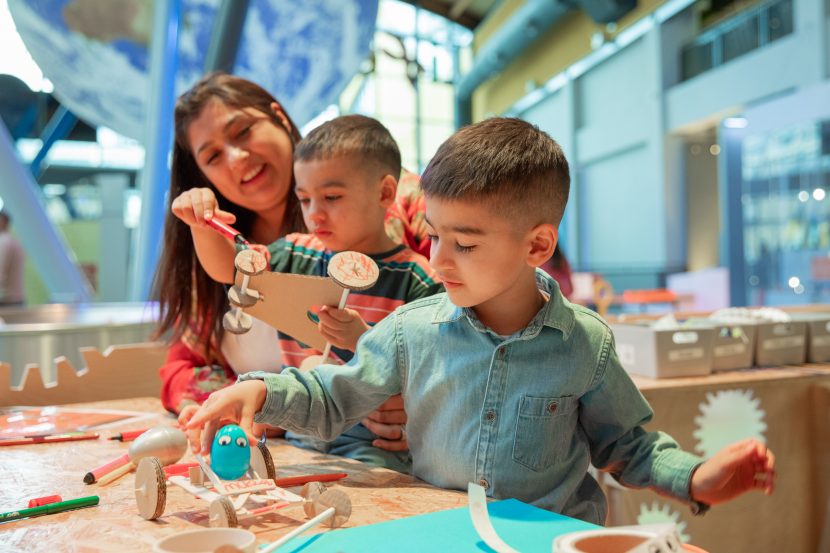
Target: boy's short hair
(507, 163)
(352, 135)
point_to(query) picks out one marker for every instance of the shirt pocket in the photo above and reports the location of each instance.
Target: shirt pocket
(542, 429)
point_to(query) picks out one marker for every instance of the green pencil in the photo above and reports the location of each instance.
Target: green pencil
(58, 507)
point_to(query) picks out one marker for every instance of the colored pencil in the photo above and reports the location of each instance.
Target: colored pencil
(289, 481)
(49, 439)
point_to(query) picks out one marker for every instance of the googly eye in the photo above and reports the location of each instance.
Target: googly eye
(241, 442)
(224, 440)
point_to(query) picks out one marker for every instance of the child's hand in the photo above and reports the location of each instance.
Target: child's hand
(341, 327)
(197, 205)
(735, 469)
(388, 423)
(235, 404)
(263, 250)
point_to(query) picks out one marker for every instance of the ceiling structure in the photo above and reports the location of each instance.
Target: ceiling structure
(468, 13)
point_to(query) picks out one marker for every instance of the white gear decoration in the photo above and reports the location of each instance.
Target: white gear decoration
(661, 514)
(728, 416)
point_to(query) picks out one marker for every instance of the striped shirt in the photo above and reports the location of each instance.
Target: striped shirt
(404, 276)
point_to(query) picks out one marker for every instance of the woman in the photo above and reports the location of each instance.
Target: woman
(233, 149)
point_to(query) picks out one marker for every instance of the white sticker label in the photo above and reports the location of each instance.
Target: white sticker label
(731, 349)
(821, 341)
(783, 343)
(782, 329)
(626, 354)
(686, 354)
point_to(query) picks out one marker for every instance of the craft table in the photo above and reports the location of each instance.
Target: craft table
(46, 469)
(787, 406)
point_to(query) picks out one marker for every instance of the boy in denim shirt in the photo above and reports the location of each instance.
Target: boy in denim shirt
(505, 382)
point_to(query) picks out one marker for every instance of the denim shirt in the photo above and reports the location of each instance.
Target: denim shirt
(524, 416)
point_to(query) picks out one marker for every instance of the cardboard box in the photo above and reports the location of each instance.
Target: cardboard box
(656, 353)
(818, 336)
(781, 343)
(733, 346)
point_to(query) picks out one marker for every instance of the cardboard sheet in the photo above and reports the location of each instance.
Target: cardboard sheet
(524, 527)
(286, 301)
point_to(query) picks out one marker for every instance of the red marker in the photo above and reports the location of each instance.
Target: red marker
(41, 501)
(128, 436)
(227, 231)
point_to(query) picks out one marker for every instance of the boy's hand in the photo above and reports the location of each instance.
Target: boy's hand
(387, 422)
(735, 469)
(236, 404)
(341, 327)
(197, 205)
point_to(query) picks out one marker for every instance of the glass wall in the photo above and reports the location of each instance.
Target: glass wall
(408, 81)
(786, 214)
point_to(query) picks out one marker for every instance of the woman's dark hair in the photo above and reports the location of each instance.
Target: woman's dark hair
(179, 270)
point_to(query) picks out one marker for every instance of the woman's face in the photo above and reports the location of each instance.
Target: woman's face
(246, 156)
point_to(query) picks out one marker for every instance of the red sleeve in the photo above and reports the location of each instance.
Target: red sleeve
(186, 378)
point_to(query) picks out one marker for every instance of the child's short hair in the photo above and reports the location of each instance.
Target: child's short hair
(352, 135)
(506, 162)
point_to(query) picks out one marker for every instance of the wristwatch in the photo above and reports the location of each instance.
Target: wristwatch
(699, 509)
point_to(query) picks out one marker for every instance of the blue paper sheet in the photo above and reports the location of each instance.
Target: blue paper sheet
(525, 528)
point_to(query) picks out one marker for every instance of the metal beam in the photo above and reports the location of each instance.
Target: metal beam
(58, 128)
(44, 246)
(155, 178)
(512, 38)
(227, 31)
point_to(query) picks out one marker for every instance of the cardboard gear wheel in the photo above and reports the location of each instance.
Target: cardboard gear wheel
(262, 463)
(150, 488)
(250, 262)
(239, 298)
(353, 270)
(337, 500)
(310, 492)
(222, 513)
(237, 323)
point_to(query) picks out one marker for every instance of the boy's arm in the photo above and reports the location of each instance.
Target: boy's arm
(323, 402)
(612, 414)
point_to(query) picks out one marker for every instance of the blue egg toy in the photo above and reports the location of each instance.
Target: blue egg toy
(230, 455)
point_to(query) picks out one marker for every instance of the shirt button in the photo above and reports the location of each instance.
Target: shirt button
(552, 407)
(490, 416)
(500, 353)
(484, 483)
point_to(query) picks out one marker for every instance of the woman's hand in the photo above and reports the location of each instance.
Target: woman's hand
(235, 404)
(341, 327)
(388, 423)
(735, 469)
(197, 205)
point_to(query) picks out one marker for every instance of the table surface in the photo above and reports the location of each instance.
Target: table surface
(740, 377)
(33, 471)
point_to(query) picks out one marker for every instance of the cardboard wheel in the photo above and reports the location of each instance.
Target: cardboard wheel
(239, 299)
(339, 501)
(353, 270)
(150, 488)
(310, 492)
(222, 513)
(262, 463)
(250, 262)
(234, 326)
